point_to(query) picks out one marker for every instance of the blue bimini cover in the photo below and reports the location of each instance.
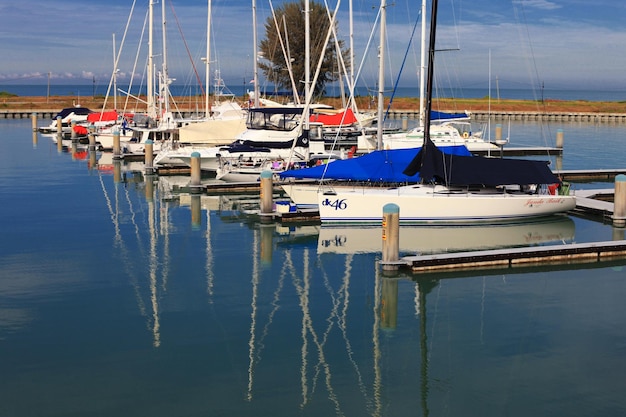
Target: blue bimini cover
(376, 166)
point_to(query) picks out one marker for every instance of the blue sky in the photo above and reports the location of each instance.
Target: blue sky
(575, 44)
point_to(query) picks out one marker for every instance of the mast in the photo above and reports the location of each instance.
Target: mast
(431, 65)
(381, 74)
(351, 48)
(114, 75)
(207, 61)
(165, 79)
(307, 62)
(255, 56)
(150, 81)
(422, 62)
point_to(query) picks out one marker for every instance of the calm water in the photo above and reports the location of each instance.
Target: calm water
(118, 297)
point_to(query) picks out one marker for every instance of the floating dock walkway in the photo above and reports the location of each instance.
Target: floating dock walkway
(479, 116)
(516, 257)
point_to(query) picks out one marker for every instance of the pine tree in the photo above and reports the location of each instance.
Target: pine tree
(290, 16)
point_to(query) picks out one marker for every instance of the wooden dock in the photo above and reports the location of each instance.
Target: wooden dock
(578, 253)
(478, 116)
(527, 116)
(595, 203)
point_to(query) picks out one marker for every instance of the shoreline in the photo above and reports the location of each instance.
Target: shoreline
(55, 103)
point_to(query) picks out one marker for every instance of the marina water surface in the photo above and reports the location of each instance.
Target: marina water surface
(119, 296)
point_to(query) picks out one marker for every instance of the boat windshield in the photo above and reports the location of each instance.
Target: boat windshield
(284, 119)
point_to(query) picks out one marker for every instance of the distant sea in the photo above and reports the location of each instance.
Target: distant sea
(179, 90)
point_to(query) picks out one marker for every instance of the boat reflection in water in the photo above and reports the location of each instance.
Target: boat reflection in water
(441, 239)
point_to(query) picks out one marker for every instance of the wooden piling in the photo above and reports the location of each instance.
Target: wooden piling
(498, 132)
(619, 201)
(196, 211)
(391, 236)
(149, 156)
(117, 149)
(267, 189)
(195, 171)
(559, 138)
(33, 119)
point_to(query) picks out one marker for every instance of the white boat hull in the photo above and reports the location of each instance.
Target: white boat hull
(427, 204)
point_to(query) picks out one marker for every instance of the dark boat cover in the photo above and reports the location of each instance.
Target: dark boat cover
(434, 165)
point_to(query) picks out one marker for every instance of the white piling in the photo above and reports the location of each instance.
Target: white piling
(391, 235)
(267, 191)
(619, 201)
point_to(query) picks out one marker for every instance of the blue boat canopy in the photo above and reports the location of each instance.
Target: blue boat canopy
(376, 166)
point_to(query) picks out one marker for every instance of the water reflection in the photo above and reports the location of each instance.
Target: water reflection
(439, 239)
(301, 315)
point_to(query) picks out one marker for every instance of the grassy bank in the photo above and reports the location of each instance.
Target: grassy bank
(12, 102)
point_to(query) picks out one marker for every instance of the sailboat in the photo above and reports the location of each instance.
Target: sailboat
(447, 129)
(452, 188)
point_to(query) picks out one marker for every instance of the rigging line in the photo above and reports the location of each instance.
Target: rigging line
(518, 12)
(119, 243)
(532, 61)
(275, 307)
(406, 53)
(342, 319)
(193, 65)
(117, 57)
(135, 63)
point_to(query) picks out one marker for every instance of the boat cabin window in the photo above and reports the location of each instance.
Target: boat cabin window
(283, 120)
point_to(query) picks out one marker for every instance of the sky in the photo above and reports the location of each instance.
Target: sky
(558, 44)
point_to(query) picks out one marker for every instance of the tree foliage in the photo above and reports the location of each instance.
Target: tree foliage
(291, 21)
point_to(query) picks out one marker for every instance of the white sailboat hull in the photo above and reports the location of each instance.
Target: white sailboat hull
(436, 204)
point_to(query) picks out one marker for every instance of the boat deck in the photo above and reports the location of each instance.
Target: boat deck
(574, 253)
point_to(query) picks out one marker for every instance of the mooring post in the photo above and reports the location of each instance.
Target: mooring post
(619, 201)
(196, 173)
(196, 212)
(405, 123)
(59, 126)
(559, 138)
(59, 141)
(498, 132)
(73, 131)
(391, 235)
(117, 149)
(267, 190)
(33, 120)
(92, 140)
(149, 156)
(117, 171)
